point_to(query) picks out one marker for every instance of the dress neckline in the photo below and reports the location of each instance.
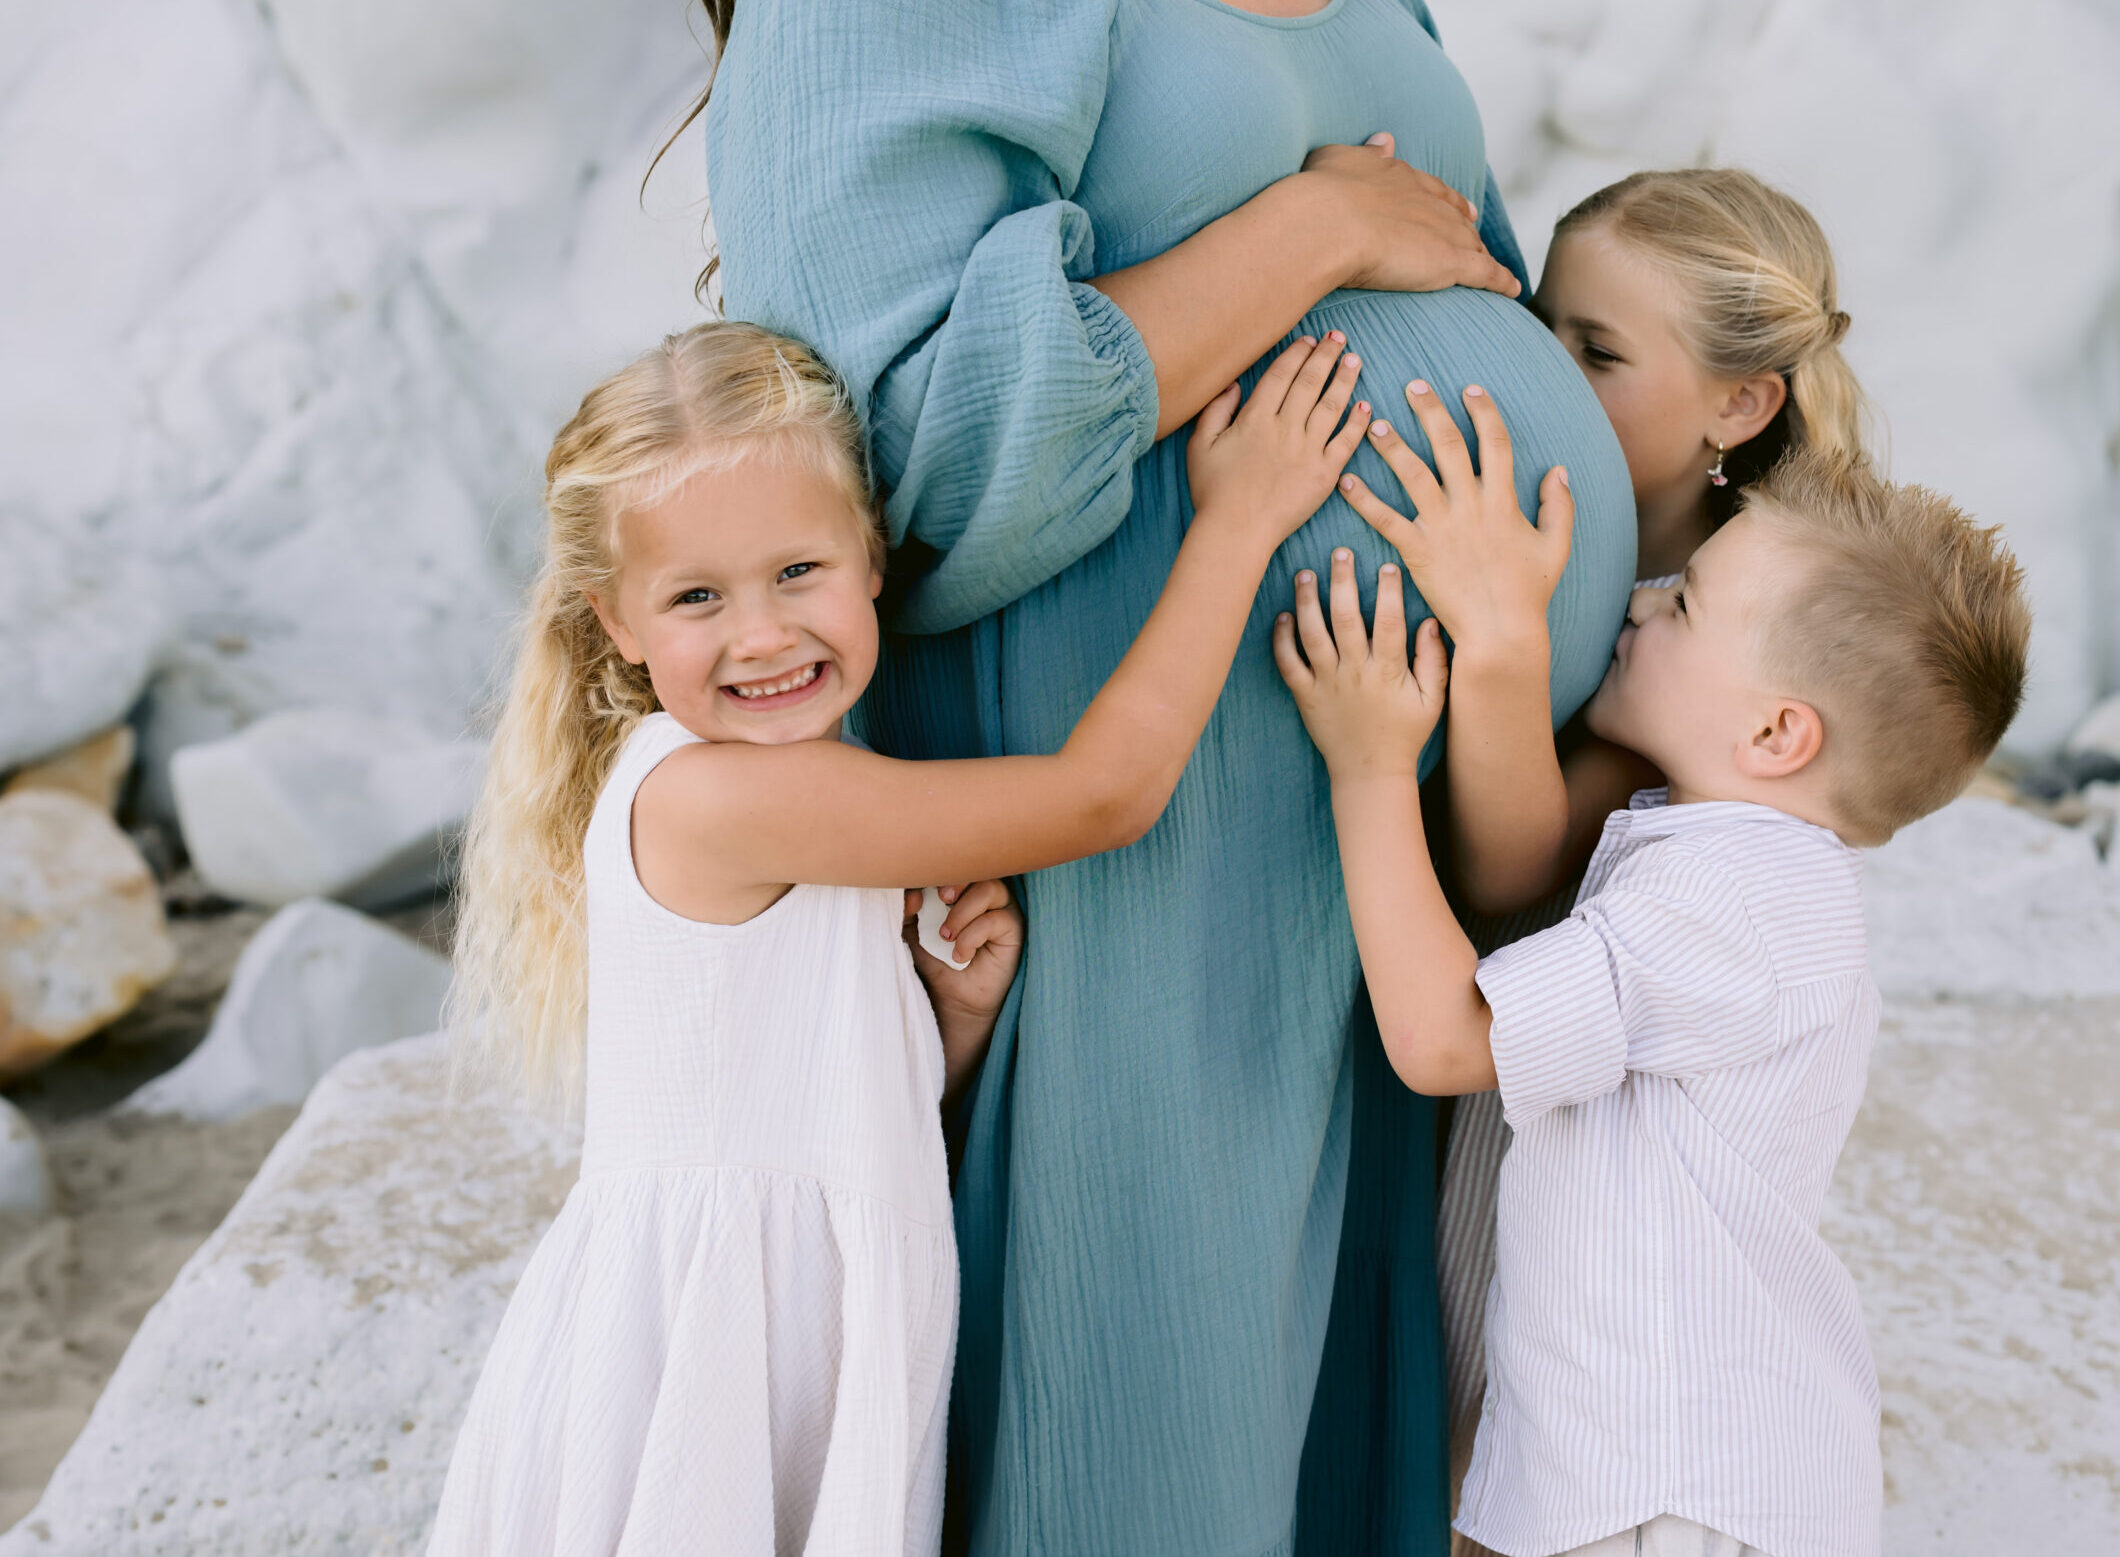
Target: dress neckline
(1324, 13)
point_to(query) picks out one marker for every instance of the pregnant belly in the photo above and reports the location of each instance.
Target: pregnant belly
(1462, 337)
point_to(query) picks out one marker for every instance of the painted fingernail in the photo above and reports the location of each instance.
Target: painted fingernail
(1418, 387)
(1347, 483)
(1334, 335)
(1473, 390)
(1380, 430)
(1362, 406)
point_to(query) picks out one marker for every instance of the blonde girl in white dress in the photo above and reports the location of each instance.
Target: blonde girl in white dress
(684, 903)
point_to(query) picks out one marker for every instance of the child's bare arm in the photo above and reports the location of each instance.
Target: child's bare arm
(1488, 576)
(824, 812)
(1601, 778)
(1370, 712)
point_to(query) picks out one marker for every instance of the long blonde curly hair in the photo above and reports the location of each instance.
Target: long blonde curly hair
(703, 399)
(1761, 296)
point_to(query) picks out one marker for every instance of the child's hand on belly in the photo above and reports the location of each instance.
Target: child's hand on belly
(1485, 571)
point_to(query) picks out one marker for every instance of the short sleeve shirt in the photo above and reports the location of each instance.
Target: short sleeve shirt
(1681, 1060)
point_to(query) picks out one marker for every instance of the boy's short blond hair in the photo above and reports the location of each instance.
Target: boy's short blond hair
(1908, 632)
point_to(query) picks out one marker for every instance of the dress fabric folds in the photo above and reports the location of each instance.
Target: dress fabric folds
(736, 1337)
(1157, 1156)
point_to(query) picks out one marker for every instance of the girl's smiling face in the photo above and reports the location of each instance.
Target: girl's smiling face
(749, 592)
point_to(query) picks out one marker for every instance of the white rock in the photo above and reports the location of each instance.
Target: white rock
(1985, 900)
(315, 983)
(85, 937)
(299, 1387)
(80, 632)
(2100, 730)
(25, 1177)
(298, 359)
(323, 802)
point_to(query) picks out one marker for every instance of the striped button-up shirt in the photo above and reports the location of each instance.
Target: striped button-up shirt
(1667, 1333)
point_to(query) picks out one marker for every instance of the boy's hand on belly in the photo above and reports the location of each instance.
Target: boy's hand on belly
(1486, 573)
(1369, 709)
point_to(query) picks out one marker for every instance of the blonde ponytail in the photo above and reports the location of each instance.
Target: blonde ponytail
(1761, 297)
(704, 399)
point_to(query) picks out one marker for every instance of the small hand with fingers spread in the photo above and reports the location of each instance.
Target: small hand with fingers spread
(1265, 468)
(1368, 709)
(1486, 573)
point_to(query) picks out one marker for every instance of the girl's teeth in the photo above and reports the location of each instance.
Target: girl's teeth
(789, 683)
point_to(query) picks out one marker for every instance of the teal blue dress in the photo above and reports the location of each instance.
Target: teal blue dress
(1162, 1298)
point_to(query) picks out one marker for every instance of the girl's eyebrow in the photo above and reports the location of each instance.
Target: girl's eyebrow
(1591, 326)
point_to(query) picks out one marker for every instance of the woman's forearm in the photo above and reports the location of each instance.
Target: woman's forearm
(1508, 801)
(1208, 308)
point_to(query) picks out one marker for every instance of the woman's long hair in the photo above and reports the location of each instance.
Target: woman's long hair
(1761, 297)
(721, 16)
(703, 399)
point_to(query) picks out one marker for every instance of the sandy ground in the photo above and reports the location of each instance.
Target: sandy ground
(136, 1195)
(1978, 1208)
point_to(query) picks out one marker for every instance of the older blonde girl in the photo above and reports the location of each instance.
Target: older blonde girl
(684, 898)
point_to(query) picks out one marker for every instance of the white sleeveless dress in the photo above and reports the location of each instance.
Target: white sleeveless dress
(737, 1337)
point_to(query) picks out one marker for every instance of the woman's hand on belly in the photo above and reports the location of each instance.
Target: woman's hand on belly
(1356, 216)
(1410, 231)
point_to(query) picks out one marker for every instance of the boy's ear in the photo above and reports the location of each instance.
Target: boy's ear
(1784, 743)
(615, 629)
(1751, 404)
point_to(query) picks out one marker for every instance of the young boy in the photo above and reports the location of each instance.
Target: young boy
(1676, 1362)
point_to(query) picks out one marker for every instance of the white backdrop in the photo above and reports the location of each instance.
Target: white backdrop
(296, 292)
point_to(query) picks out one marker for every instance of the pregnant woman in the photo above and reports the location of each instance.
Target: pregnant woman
(1037, 238)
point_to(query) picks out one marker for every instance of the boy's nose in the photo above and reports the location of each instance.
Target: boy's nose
(1650, 600)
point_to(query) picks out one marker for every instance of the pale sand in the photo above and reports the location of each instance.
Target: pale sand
(136, 1196)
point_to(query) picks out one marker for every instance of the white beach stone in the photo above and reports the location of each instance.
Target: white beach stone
(2099, 731)
(324, 802)
(299, 1386)
(25, 1176)
(316, 982)
(1984, 900)
(81, 630)
(95, 770)
(84, 934)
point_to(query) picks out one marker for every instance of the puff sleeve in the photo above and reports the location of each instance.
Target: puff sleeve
(891, 183)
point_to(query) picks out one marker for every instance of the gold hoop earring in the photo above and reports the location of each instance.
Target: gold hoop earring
(1716, 475)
